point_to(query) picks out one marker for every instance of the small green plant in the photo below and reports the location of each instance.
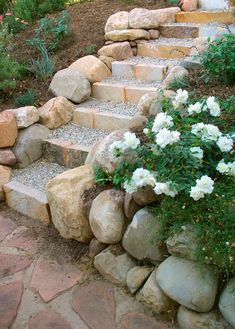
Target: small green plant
(173, 2)
(178, 82)
(9, 72)
(91, 49)
(218, 60)
(4, 5)
(12, 23)
(43, 67)
(28, 98)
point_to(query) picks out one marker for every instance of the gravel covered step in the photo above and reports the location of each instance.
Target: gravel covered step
(204, 17)
(165, 48)
(179, 30)
(123, 90)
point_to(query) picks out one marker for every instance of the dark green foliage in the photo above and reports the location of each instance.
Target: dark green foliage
(218, 60)
(91, 49)
(179, 82)
(9, 72)
(28, 98)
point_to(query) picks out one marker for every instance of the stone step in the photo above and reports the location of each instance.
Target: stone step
(180, 30)
(123, 90)
(205, 17)
(165, 48)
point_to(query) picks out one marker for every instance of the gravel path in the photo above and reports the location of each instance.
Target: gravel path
(111, 107)
(173, 42)
(132, 83)
(76, 134)
(38, 174)
(153, 61)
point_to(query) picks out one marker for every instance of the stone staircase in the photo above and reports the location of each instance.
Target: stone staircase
(113, 104)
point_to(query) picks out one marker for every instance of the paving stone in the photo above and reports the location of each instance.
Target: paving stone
(21, 238)
(141, 321)
(95, 304)
(6, 227)
(48, 320)
(10, 297)
(10, 264)
(51, 277)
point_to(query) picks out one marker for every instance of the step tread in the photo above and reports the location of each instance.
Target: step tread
(153, 61)
(78, 135)
(171, 42)
(122, 108)
(130, 83)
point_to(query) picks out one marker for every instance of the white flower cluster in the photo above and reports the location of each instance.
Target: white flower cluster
(130, 142)
(164, 136)
(210, 105)
(165, 188)
(226, 168)
(205, 185)
(180, 98)
(140, 178)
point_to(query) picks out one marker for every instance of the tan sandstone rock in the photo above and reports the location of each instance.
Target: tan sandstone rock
(5, 175)
(56, 112)
(68, 208)
(119, 51)
(92, 68)
(118, 21)
(107, 61)
(8, 129)
(127, 35)
(189, 5)
(176, 72)
(25, 116)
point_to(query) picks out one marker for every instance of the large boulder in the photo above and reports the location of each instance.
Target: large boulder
(8, 129)
(141, 237)
(189, 5)
(136, 277)
(188, 319)
(174, 74)
(188, 283)
(118, 21)
(113, 266)
(107, 218)
(118, 51)
(28, 146)
(25, 116)
(227, 302)
(107, 61)
(127, 35)
(100, 154)
(7, 157)
(71, 84)
(146, 103)
(65, 194)
(140, 18)
(5, 175)
(154, 297)
(56, 112)
(92, 68)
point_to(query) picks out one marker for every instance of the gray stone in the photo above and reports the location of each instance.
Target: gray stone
(95, 247)
(175, 73)
(130, 206)
(28, 146)
(117, 50)
(188, 319)
(107, 216)
(227, 302)
(7, 157)
(154, 297)
(114, 267)
(140, 238)
(145, 196)
(188, 283)
(136, 276)
(71, 84)
(25, 116)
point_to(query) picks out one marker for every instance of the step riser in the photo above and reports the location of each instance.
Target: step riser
(162, 51)
(179, 32)
(65, 153)
(205, 17)
(119, 93)
(145, 72)
(27, 201)
(90, 118)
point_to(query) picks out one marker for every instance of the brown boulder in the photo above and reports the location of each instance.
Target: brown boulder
(8, 129)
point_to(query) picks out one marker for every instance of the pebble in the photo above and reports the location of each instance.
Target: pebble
(80, 135)
(38, 174)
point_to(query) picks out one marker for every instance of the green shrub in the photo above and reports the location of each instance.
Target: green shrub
(218, 60)
(9, 72)
(26, 99)
(4, 5)
(12, 23)
(44, 67)
(179, 82)
(91, 49)
(49, 6)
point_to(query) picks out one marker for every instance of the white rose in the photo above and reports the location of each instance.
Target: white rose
(170, 191)
(196, 193)
(160, 188)
(231, 168)
(165, 137)
(181, 96)
(213, 106)
(142, 177)
(131, 141)
(225, 144)
(197, 152)
(210, 132)
(162, 120)
(205, 184)
(197, 128)
(146, 131)
(223, 167)
(130, 187)
(117, 147)
(195, 108)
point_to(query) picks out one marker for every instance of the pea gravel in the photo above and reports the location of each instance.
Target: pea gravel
(132, 82)
(154, 61)
(111, 107)
(38, 174)
(173, 42)
(78, 135)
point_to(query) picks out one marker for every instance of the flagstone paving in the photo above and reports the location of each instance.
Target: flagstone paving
(47, 282)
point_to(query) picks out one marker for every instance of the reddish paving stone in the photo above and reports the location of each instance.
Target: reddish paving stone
(140, 321)
(95, 304)
(10, 297)
(10, 264)
(22, 239)
(51, 278)
(6, 227)
(48, 320)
